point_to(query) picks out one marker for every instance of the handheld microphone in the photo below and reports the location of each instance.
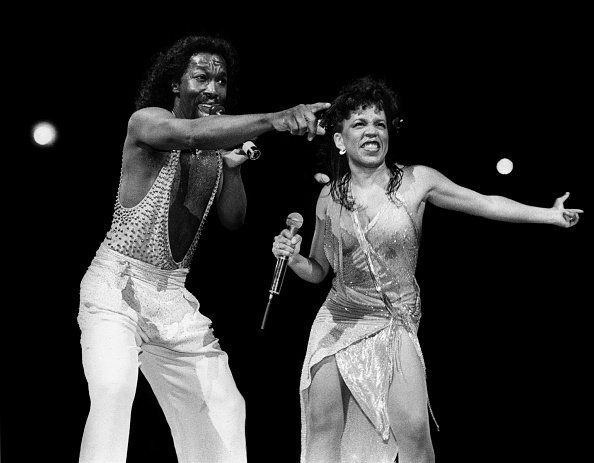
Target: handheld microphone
(250, 150)
(248, 147)
(216, 110)
(294, 223)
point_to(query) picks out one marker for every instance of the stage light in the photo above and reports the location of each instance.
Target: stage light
(504, 166)
(44, 133)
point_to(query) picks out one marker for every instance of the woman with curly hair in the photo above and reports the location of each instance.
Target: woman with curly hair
(363, 390)
(179, 159)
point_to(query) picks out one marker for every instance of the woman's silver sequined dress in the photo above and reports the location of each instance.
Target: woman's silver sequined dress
(356, 326)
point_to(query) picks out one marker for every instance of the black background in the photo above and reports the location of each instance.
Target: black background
(504, 305)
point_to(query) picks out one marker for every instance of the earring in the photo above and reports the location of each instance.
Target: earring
(342, 151)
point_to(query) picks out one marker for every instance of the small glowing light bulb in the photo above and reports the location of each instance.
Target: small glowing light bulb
(504, 166)
(44, 133)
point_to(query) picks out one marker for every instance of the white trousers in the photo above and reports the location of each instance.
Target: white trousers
(133, 315)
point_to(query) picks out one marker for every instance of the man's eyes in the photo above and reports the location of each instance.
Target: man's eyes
(204, 78)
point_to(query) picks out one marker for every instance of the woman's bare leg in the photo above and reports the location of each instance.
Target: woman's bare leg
(407, 407)
(325, 415)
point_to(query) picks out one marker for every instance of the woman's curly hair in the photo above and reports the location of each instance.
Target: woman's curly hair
(359, 93)
(169, 66)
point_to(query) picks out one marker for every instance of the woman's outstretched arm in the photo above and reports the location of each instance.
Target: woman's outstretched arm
(444, 193)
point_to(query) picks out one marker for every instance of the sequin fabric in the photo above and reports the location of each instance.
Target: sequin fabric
(357, 328)
(142, 231)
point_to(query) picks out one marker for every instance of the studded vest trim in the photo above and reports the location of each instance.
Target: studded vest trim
(142, 231)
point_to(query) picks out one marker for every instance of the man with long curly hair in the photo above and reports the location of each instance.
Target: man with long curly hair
(180, 158)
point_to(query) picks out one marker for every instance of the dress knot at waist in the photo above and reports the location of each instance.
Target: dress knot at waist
(345, 310)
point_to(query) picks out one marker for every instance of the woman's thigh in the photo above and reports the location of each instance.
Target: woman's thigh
(407, 397)
(327, 393)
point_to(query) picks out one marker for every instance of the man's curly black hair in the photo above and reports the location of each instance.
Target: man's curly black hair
(359, 93)
(169, 66)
